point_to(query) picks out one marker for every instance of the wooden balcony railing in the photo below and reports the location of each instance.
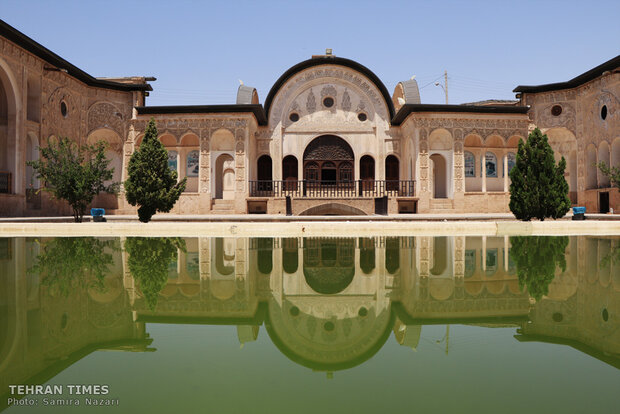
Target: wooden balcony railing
(332, 189)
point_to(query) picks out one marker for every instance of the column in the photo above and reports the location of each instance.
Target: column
(484, 171)
(505, 172)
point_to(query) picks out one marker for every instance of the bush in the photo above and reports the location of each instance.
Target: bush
(151, 184)
(538, 188)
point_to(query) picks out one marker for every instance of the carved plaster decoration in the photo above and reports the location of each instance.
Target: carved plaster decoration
(458, 134)
(328, 90)
(311, 102)
(239, 149)
(240, 134)
(263, 145)
(55, 122)
(293, 85)
(545, 119)
(105, 115)
(346, 101)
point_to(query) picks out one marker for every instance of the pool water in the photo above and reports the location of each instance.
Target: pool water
(311, 325)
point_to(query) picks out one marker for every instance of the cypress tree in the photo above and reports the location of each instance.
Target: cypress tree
(151, 184)
(538, 188)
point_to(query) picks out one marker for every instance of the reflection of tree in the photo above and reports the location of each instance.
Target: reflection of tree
(66, 263)
(149, 259)
(536, 258)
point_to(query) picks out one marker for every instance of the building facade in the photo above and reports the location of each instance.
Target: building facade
(328, 139)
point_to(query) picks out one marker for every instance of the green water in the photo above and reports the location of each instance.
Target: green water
(312, 325)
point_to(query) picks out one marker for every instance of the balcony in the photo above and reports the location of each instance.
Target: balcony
(332, 189)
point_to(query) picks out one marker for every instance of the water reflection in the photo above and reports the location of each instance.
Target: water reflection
(325, 303)
(152, 261)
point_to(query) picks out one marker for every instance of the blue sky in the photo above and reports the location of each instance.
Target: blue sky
(199, 50)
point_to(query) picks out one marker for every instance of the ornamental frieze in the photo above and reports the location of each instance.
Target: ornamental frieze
(179, 127)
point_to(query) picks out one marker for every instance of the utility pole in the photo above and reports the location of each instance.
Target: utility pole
(445, 85)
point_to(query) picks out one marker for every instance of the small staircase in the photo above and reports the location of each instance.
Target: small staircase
(223, 206)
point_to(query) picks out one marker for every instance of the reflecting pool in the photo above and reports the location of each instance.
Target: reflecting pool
(306, 325)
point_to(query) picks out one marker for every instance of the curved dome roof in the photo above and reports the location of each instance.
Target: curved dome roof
(329, 60)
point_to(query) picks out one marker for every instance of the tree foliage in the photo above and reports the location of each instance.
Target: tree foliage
(74, 173)
(149, 260)
(536, 258)
(151, 184)
(613, 173)
(538, 188)
(69, 263)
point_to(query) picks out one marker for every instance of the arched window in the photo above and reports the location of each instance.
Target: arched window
(512, 160)
(289, 168)
(264, 168)
(367, 168)
(391, 173)
(311, 172)
(173, 156)
(192, 163)
(470, 164)
(328, 172)
(491, 164)
(345, 172)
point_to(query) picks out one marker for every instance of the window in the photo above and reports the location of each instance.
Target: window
(362, 116)
(470, 164)
(328, 102)
(64, 110)
(192, 164)
(512, 159)
(346, 171)
(312, 172)
(172, 160)
(556, 110)
(294, 117)
(491, 164)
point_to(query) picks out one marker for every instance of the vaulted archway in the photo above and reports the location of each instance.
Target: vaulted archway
(328, 160)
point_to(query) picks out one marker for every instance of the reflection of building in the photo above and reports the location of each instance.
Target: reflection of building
(329, 135)
(583, 304)
(382, 285)
(42, 332)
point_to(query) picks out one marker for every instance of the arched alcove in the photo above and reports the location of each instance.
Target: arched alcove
(603, 156)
